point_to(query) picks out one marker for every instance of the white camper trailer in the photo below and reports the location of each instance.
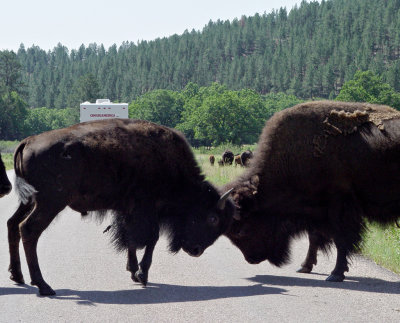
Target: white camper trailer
(103, 109)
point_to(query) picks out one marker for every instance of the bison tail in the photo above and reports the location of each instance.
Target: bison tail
(18, 159)
(25, 190)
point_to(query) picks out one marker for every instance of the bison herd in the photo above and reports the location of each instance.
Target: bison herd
(321, 168)
(228, 158)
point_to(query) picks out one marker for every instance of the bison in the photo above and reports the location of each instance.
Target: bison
(238, 161)
(5, 185)
(228, 157)
(144, 173)
(211, 158)
(245, 157)
(321, 168)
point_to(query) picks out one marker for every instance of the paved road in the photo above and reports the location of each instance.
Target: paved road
(92, 285)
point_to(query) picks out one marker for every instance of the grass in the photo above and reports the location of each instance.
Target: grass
(8, 146)
(8, 161)
(217, 151)
(383, 246)
(216, 174)
(7, 150)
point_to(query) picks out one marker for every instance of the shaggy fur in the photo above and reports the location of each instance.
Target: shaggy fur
(144, 173)
(245, 157)
(5, 185)
(320, 168)
(211, 158)
(228, 157)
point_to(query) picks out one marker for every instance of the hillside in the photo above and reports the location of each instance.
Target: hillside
(309, 52)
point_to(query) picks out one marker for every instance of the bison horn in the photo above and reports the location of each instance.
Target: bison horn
(222, 199)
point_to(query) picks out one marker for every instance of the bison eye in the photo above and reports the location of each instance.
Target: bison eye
(239, 233)
(213, 220)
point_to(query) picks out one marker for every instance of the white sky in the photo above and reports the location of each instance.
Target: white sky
(46, 23)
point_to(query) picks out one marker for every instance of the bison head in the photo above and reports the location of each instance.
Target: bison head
(258, 235)
(206, 218)
(5, 185)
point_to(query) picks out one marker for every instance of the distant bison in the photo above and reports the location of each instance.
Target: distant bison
(320, 168)
(5, 185)
(245, 157)
(144, 173)
(211, 159)
(228, 157)
(220, 162)
(238, 160)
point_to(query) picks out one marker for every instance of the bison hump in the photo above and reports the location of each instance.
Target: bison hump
(341, 122)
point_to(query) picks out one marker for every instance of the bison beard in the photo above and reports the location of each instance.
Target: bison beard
(321, 168)
(145, 174)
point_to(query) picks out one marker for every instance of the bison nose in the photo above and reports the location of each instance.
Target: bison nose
(196, 251)
(252, 260)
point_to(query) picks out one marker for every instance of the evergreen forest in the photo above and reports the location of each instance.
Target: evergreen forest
(308, 52)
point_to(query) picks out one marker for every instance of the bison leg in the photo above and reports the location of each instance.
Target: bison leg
(31, 229)
(317, 241)
(142, 274)
(132, 264)
(143, 230)
(337, 275)
(14, 238)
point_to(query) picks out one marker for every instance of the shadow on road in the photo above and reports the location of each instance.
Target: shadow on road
(152, 294)
(363, 284)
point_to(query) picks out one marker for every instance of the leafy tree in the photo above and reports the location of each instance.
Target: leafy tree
(43, 119)
(275, 102)
(159, 106)
(217, 115)
(368, 87)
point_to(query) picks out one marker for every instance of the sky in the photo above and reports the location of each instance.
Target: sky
(45, 23)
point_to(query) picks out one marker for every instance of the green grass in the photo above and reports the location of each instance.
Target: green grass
(8, 161)
(8, 146)
(216, 174)
(217, 151)
(383, 246)
(7, 150)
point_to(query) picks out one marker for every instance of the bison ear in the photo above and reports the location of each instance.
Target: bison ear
(222, 200)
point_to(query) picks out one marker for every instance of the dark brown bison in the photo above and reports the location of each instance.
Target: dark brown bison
(228, 157)
(238, 160)
(245, 157)
(321, 168)
(211, 158)
(5, 185)
(144, 173)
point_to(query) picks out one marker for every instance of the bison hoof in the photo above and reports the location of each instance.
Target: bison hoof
(304, 270)
(141, 277)
(18, 278)
(335, 278)
(44, 289)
